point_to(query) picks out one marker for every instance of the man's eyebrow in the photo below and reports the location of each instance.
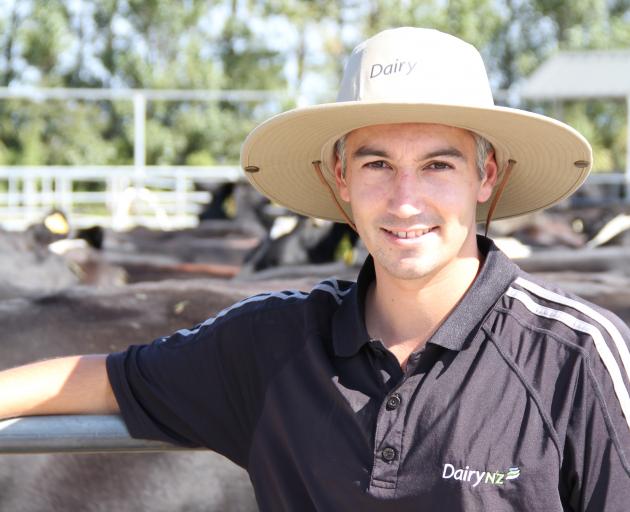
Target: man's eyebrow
(447, 151)
(369, 151)
(451, 151)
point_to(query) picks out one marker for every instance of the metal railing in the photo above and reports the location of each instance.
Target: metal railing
(162, 197)
(618, 179)
(81, 433)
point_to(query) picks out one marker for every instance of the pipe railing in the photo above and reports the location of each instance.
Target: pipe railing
(166, 197)
(78, 434)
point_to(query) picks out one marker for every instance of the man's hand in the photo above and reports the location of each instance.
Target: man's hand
(68, 385)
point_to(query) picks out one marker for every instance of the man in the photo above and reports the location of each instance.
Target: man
(445, 378)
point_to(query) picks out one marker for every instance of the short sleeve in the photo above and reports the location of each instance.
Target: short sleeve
(197, 388)
(596, 464)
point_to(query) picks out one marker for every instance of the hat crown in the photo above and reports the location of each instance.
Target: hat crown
(416, 65)
(413, 75)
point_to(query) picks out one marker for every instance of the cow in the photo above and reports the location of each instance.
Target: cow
(85, 319)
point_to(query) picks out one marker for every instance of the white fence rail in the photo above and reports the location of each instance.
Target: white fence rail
(162, 197)
(618, 179)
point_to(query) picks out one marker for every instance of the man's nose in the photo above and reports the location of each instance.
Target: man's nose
(406, 197)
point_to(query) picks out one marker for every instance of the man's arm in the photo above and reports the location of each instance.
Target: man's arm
(68, 385)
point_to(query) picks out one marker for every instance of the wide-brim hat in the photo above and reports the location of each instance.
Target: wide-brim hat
(414, 75)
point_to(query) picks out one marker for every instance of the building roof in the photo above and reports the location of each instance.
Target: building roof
(585, 74)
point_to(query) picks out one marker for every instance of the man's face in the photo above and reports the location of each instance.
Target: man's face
(414, 189)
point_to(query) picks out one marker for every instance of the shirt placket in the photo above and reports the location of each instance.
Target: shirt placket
(388, 438)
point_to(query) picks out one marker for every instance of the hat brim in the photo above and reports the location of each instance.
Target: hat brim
(284, 147)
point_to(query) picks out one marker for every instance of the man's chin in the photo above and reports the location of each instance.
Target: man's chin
(410, 270)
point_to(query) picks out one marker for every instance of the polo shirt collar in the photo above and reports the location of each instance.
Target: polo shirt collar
(497, 273)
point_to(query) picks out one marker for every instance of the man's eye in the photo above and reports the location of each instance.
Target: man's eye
(439, 165)
(378, 164)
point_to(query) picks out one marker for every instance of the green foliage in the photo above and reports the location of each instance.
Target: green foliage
(600, 122)
(294, 45)
(44, 37)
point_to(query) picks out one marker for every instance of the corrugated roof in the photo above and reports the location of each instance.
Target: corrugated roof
(586, 74)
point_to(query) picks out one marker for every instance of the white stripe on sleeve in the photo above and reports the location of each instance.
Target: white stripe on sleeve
(330, 286)
(575, 323)
(621, 345)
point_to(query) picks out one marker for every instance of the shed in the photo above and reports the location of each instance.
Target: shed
(581, 75)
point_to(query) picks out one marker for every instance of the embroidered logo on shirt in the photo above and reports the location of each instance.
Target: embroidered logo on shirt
(476, 477)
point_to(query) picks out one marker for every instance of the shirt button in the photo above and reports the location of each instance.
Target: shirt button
(388, 454)
(393, 402)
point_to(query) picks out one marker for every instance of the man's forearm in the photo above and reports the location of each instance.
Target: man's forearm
(68, 385)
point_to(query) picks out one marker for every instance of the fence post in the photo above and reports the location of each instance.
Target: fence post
(627, 180)
(139, 138)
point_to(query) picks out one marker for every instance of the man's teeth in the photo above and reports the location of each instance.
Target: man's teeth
(410, 234)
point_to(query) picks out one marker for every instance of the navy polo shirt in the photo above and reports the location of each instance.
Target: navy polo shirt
(519, 401)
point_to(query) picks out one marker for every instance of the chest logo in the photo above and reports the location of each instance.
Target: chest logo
(476, 477)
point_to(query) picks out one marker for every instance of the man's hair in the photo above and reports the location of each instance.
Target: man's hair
(482, 144)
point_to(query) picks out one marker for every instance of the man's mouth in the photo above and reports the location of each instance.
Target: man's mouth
(411, 234)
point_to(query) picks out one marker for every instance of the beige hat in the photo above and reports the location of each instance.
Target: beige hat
(419, 75)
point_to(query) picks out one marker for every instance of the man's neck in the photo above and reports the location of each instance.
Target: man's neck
(404, 314)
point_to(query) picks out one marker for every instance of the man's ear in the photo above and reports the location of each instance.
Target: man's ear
(489, 180)
(340, 179)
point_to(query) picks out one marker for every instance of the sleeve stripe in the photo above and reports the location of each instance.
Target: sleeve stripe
(255, 298)
(621, 345)
(330, 286)
(574, 323)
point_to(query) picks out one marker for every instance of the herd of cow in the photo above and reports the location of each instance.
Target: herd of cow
(100, 291)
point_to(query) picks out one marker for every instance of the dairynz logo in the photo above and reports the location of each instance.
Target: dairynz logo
(392, 68)
(476, 477)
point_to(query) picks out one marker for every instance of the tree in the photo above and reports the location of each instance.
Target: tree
(298, 46)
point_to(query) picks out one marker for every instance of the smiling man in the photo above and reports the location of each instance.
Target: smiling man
(414, 189)
(445, 378)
